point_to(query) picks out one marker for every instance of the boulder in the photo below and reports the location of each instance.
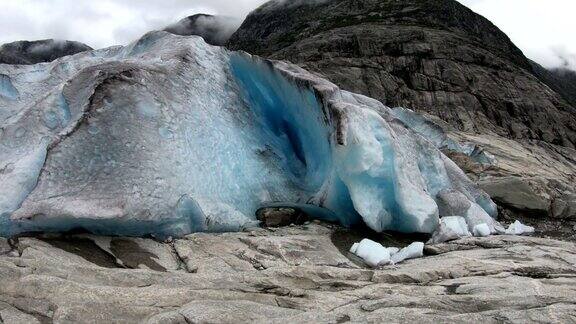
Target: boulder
(452, 203)
(275, 217)
(564, 206)
(528, 195)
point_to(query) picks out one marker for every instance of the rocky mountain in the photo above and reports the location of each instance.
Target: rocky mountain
(431, 56)
(158, 145)
(561, 80)
(25, 52)
(440, 59)
(216, 30)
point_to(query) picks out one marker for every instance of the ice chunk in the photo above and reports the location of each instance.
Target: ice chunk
(455, 203)
(451, 228)
(517, 228)
(456, 224)
(373, 253)
(476, 216)
(482, 230)
(354, 248)
(393, 250)
(412, 251)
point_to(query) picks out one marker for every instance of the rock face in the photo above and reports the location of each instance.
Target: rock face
(561, 80)
(294, 274)
(431, 56)
(216, 30)
(24, 52)
(519, 194)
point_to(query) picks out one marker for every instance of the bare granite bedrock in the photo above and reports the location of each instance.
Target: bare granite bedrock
(290, 274)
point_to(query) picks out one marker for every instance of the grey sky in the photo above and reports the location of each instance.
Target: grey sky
(544, 30)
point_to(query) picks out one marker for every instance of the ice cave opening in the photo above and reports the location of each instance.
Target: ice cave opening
(299, 129)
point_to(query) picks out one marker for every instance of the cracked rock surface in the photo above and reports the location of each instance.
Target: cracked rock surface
(292, 274)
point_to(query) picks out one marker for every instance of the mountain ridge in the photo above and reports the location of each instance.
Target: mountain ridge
(39, 51)
(436, 57)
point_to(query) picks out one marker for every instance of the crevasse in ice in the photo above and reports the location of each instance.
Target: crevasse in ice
(169, 136)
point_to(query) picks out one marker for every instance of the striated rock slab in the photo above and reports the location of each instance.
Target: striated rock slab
(530, 177)
(293, 274)
(518, 193)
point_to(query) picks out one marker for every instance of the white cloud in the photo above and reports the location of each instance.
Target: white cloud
(544, 30)
(101, 23)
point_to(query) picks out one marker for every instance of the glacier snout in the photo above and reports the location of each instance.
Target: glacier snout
(169, 136)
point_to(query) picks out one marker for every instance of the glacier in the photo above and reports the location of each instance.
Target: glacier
(168, 136)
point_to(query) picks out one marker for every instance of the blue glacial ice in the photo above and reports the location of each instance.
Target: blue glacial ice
(169, 136)
(7, 89)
